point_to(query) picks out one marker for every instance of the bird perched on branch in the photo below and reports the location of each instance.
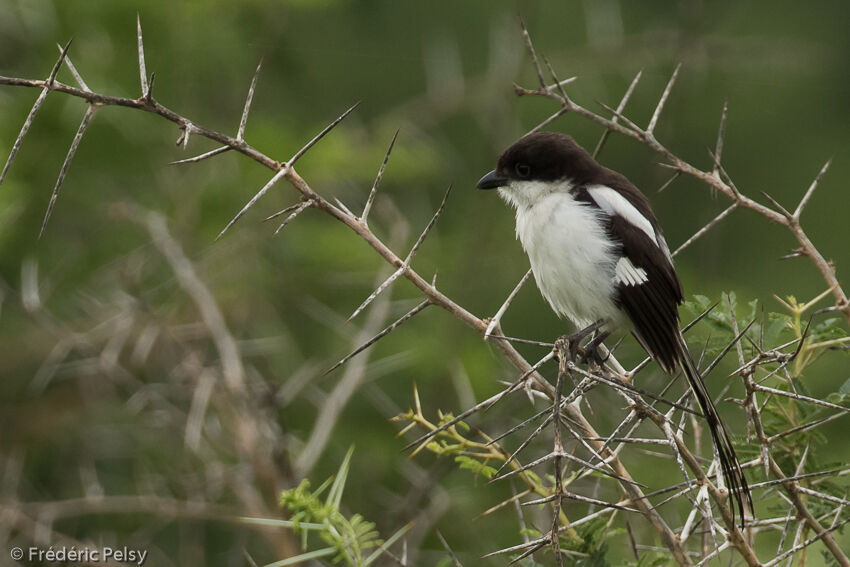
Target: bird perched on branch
(598, 255)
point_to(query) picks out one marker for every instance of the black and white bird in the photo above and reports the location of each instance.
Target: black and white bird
(598, 254)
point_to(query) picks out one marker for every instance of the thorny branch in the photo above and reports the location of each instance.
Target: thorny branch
(565, 411)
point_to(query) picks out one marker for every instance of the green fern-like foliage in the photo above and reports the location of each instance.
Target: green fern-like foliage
(351, 540)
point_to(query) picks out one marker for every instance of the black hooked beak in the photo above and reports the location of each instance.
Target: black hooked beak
(492, 181)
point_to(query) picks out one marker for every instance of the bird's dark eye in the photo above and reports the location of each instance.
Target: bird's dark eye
(522, 169)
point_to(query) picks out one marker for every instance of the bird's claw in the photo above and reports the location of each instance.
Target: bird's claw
(570, 345)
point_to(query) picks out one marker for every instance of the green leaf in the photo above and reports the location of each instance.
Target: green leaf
(274, 523)
(303, 557)
(477, 467)
(778, 324)
(386, 545)
(335, 495)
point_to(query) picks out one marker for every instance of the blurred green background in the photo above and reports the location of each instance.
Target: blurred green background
(440, 73)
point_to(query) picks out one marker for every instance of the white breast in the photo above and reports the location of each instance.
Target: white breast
(571, 256)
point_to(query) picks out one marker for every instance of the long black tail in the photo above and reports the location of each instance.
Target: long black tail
(734, 477)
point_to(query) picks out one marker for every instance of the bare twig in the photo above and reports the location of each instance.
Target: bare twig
(721, 134)
(277, 177)
(428, 227)
(620, 108)
(726, 212)
(530, 46)
(240, 134)
(364, 218)
(810, 191)
(405, 266)
(670, 181)
(46, 87)
(302, 206)
(488, 403)
(73, 70)
(203, 156)
(494, 321)
(448, 549)
(66, 164)
(143, 76)
(321, 135)
(384, 285)
(404, 318)
(657, 114)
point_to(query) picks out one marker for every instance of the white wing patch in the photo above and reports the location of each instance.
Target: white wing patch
(613, 203)
(627, 273)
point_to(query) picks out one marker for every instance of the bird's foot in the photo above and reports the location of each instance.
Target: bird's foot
(591, 349)
(570, 345)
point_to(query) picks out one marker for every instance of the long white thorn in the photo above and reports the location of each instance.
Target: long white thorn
(143, 76)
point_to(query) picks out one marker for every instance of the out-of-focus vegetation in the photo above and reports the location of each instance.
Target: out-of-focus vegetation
(103, 354)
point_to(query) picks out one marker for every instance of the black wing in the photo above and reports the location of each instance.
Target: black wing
(650, 299)
(649, 292)
(652, 306)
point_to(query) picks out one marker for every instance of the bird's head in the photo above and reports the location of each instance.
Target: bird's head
(537, 165)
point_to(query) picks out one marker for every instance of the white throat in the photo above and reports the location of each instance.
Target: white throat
(524, 194)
